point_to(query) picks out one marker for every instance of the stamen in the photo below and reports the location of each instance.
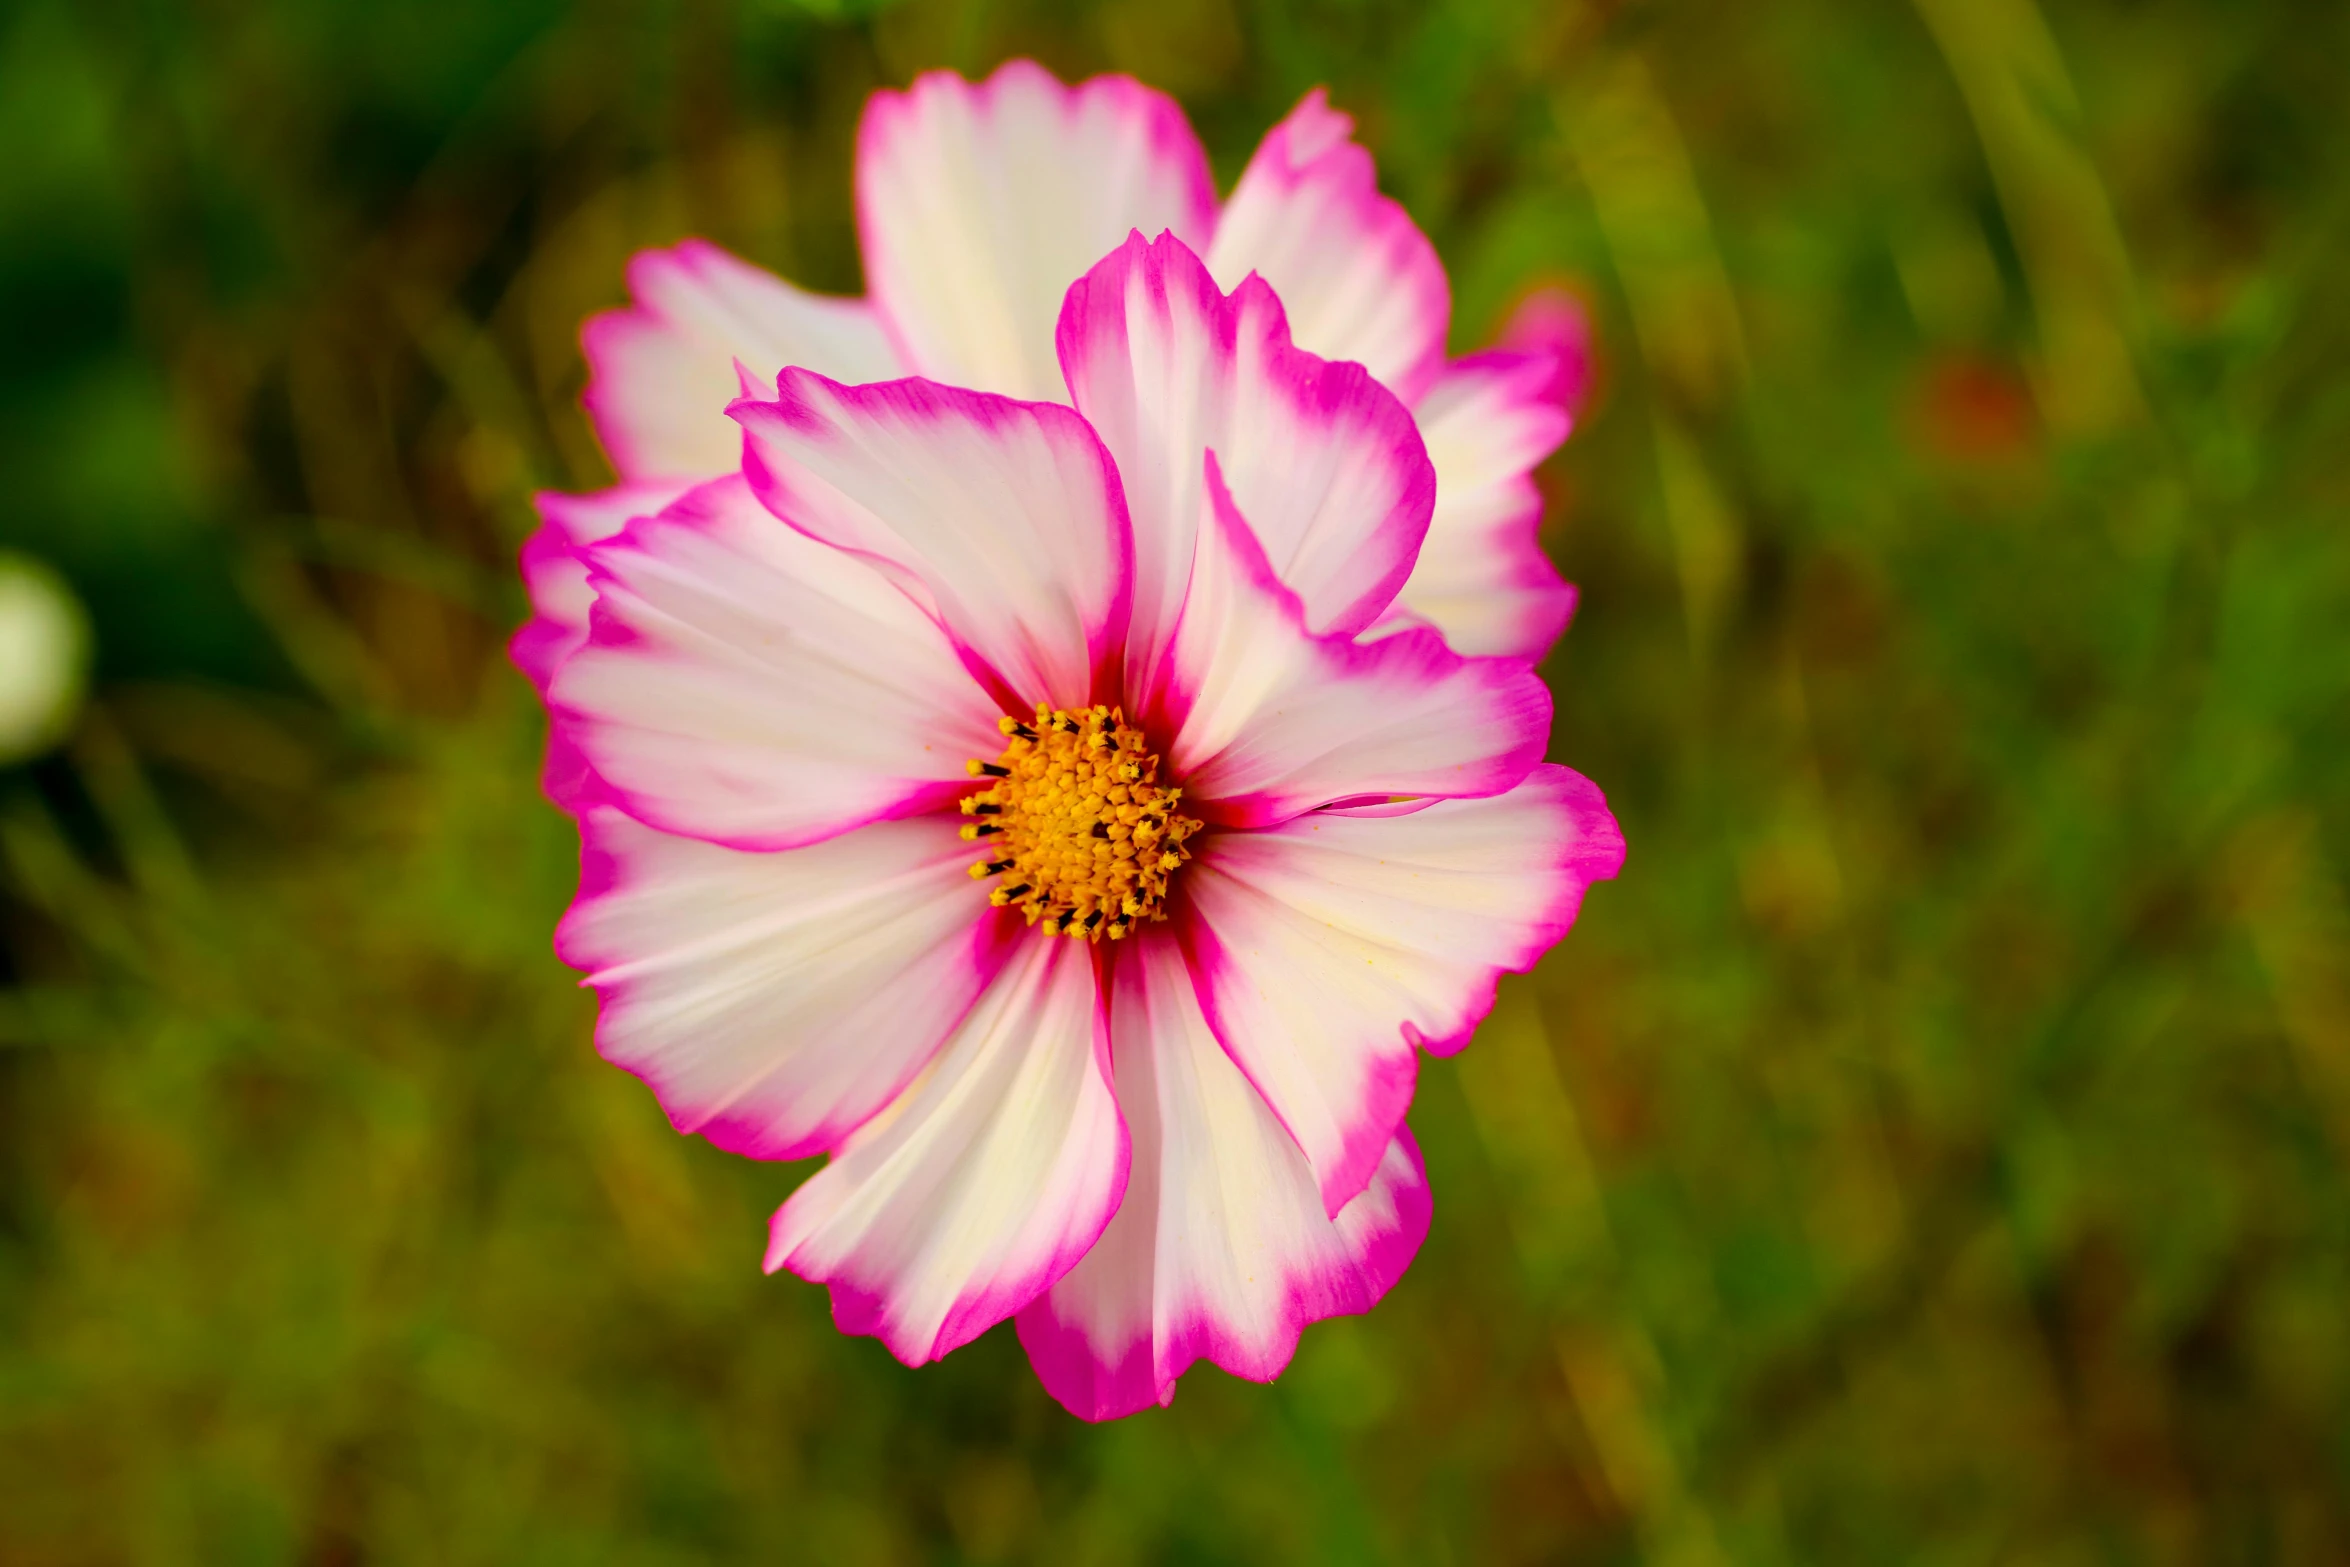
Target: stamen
(1080, 815)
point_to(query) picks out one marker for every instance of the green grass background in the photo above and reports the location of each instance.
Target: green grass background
(1930, 1151)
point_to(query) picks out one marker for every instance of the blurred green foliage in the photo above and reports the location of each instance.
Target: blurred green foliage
(1931, 1151)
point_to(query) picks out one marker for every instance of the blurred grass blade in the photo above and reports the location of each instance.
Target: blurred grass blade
(2013, 79)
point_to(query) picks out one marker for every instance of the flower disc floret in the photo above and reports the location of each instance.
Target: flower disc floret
(1077, 825)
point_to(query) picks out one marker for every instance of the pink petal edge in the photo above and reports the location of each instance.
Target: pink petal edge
(1598, 856)
(1485, 537)
(860, 1307)
(579, 729)
(1551, 321)
(693, 307)
(1356, 1086)
(795, 409)
(602, 874)
(1517, 700)
(1311, 188)
(892, 117)
(555, 578)
(1347, 525)
(1096, 1389)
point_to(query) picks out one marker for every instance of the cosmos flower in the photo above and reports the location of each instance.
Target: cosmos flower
(997, 796)
(978, 206)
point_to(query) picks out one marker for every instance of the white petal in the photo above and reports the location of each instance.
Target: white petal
(1330, 946)
(556, 576)
(1324, 461)
(661, 373)
(1221, 1248)
(985, 1182)
(979, 205)
(1267, 721)
(749, 685)
(1482, 577)
(1360, 280)
(774, 1002)
(1004, 518)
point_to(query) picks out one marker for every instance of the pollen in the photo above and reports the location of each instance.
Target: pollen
(1080, 833)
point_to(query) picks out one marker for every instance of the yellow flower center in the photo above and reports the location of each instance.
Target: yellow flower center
(1076, 824)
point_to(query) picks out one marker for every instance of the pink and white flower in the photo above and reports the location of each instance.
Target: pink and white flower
(978, 205)
(996, 796)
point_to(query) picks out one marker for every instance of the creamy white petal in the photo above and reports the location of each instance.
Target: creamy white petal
(1330, 946)
(555, 574)
(747, 684)
(1325, 462)
(661, 372)
(1221, 1248)
(1482, 577)
(1360, 280)
(774, 1001)
(980, 204)
(1005, 519)
(985, 1182)
(1266, 720)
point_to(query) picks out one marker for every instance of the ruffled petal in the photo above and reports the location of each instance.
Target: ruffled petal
(774, 1002)
(1324, 461)
(1482, 577)
(979, 204)
(555, 575)
(1004, 519)
(1330, 946)
(1552, 322)
(1267, 720)
(985, 1182)
(746, 684)
(1221, 1248)
(1360, 280)
(661, 372)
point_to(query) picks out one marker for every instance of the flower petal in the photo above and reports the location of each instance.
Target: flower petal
(746, 684)
(1221, 1248)
(979, 203)
(774, 1002)
(1268, 721)
(661, 372)
(1482, 577)
(985, 1182)
(1004, 519)
(1553, 322)
(1331, 945)
(555, 576)
(1360, 279)
(1324, 461)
